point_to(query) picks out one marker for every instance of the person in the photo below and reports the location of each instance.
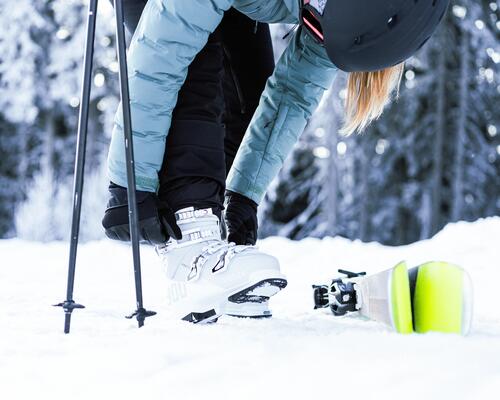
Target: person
(214, 107)
(369, 39)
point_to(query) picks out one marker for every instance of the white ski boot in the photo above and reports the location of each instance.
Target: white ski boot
(209, 277)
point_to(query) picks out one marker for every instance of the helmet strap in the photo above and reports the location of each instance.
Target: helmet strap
(310, 19)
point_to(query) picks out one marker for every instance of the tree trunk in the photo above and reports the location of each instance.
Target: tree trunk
(364, 198)
(437, 172)
(332, 172)
(332, 180)
(47, 168)
(458, 168)
(24, 160)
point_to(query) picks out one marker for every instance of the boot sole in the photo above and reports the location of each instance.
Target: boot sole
(259, 316)
(257, 293)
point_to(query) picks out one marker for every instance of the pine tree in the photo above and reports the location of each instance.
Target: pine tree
(40, 79)
(433, 157)
(477, 162)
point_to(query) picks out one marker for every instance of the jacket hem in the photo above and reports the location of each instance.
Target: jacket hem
(142, 183)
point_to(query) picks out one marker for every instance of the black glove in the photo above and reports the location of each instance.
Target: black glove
(156, 220)
(241, 219)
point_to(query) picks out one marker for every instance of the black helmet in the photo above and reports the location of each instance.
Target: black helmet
(370, 35)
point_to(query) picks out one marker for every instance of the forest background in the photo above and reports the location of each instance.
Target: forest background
(433, 158)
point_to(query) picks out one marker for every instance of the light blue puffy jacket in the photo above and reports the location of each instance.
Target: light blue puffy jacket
(169, 35)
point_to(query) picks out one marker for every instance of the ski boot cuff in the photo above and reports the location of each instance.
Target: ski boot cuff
(200, 225)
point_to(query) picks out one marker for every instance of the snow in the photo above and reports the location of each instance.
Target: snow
(299, 353)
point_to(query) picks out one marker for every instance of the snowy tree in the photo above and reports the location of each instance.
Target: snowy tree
(476, 158)
(9, 176)
(433, 157)
(40, 80)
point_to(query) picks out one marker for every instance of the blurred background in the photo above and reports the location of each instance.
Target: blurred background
(434, 157)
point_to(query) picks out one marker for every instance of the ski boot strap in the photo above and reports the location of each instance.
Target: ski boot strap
(197, 226)
(189, 214)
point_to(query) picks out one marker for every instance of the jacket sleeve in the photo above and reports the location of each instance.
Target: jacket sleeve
(270, 11)
(303, 73)
(168, 37)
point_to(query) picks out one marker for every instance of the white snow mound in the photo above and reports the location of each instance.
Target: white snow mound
(298, 354)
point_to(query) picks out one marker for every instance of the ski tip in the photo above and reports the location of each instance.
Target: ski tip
(442, 298)
(400, 304)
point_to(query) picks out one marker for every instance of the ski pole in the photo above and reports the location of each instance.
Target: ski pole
(141, 314)
(69, 304)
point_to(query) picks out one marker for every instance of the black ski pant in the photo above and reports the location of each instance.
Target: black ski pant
(214, 107)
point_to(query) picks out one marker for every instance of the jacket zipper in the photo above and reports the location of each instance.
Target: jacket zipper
(235, 81)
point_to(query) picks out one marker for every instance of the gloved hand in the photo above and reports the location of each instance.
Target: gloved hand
(241, 219)
(156, 220)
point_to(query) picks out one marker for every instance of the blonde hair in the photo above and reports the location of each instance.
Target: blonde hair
(367, 95)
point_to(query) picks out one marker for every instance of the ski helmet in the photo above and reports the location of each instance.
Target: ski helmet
(370, 35)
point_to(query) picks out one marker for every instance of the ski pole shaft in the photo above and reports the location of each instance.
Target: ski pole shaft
(140, 313)
(69, 305)
(83, 118)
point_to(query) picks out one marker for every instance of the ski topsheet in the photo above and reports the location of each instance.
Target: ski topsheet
(434, 296)
(385, 297)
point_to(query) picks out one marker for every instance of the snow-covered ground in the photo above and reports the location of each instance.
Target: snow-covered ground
(299, 353)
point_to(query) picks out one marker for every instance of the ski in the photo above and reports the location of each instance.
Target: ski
(442, 298)
(432, 297)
